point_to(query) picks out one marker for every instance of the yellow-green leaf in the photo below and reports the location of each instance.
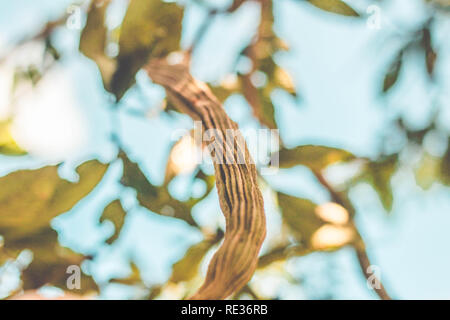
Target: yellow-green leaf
(29, 199)
(94, 39)
(226, 88)
(187, 268)
(50, 261)
(133, 279)
(443, 5)
(115, 213)
(260, 101)
(335, 6)
(284, 80)
(379, 175)
(8, 146)
(312, 156)
(151, 28)
(157, 199)
(299, 215)
(304, 219)
(393, 72)
(430, 53)
(445, 166)
(428, 171)
(265, 75)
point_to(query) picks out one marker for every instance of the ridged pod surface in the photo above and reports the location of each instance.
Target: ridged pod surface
(241, 201)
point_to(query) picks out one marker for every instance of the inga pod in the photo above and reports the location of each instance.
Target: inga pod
(241, 201)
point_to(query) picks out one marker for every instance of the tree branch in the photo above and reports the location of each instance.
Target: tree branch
(359, 246)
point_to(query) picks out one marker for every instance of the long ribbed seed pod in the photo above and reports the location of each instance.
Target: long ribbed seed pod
(235, 261)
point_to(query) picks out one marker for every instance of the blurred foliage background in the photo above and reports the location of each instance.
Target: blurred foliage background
(96, 172)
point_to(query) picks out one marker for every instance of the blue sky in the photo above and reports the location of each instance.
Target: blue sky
(336, 64)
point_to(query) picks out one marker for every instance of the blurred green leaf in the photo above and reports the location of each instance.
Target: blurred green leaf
(115, 213)
(50, 261)
(299, 214)
(443, 5)
(156, 199)
(260, 98)
(334, 6)
(277, 77)
(51, 51)
(282, 253)
(154, 292)
(94, 39)
(133, 279)
(430, 53)
(445, 166)
(226, 88)
(310, 230)
(379, 174)
(151, 28)
(266, 75)
(393, 72)
(30, 199)
(260, 101)
(209, 180)
(433, 169)
(312, 156)
(283, 80)
(8, 145)
(187, 268)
